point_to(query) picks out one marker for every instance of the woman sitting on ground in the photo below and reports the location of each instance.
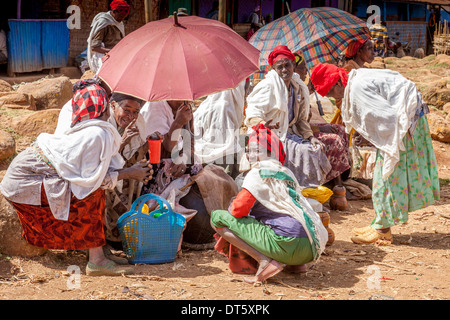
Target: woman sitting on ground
(281, 102)
(333, 136)
(57, 185)
(172, 121)
(269, 219)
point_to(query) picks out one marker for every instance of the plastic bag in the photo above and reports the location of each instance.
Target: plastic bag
(321, 193)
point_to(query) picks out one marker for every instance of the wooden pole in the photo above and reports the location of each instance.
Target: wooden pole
(222, 11)
(148, 10)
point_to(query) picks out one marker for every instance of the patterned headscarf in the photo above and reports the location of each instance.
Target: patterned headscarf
(324, 76)
(353, 48)
(269, 140)
(89, 101)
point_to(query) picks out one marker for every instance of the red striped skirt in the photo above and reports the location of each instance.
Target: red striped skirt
(83, 230)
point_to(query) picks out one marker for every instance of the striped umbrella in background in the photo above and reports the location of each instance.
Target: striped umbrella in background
(319, 34)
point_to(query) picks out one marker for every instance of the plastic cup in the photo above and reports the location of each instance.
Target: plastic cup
(154, 150)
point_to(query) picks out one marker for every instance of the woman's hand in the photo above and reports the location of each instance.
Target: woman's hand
(359, 141)
(271, 126)
(177, 170)
(316, 142)
(154, 135)
(184, 114)
(130, 131)
(327, 129)
(140, 171)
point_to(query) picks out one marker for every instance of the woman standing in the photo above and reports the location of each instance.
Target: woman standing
(386, 110)
(57, 185)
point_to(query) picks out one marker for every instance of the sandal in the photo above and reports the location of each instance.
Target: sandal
(109, 269)
(373, 236)
(111, 256)
(359, 231)
(271, 269)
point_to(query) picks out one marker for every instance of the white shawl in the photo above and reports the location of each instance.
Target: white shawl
(274, 195)
(100, 21)
(65, 120)
(84, 154)
(380, 105)
(269, 100)
(217, 122)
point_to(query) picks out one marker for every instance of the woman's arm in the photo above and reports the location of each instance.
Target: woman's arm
(242, 204)
(140, 171)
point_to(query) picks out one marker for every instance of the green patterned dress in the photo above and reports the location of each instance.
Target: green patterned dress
(413, 185)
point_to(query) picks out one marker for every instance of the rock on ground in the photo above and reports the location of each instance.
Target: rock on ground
(33, 124)
(11, 241)
(7, 145)
(49, 93)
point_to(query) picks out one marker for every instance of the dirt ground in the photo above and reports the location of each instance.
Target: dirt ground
(414, 267)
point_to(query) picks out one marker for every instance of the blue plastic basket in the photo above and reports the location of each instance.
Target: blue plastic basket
(152, 237)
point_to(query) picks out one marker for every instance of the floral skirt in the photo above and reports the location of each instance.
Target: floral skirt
(413, 185)
(336, 149)
(83, 230)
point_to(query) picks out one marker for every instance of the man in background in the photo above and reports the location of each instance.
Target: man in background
(107, 29)
(379, 34)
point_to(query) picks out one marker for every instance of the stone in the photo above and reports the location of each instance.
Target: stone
(439, 127)
(5, 86)
(11, 241)
(7, 145)
(49, 93)
(446, 108)
(419, 53)
(33, 124)
(16, 100)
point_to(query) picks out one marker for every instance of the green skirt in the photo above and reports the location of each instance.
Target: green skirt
(287, 250)
(413, 185)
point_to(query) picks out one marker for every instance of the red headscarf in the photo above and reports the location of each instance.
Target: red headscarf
(353, 48)
(325, 75)
(269, 140)
(280, 52)
(89, 101)
(119, 4)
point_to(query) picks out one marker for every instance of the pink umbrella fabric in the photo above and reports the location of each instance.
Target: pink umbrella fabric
(179, 58)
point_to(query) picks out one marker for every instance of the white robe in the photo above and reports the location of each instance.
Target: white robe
(380, 105)
(83, 159)
(65, 120)
(217, 122)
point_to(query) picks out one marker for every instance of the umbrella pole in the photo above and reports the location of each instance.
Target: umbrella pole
(319, 104)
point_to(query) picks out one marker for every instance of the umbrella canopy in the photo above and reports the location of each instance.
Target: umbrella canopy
(179, 58)
(319, 34)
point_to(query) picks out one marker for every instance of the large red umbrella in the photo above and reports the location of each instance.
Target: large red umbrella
(179, 58)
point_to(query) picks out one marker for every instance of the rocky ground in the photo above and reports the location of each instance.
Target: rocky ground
(414, 267)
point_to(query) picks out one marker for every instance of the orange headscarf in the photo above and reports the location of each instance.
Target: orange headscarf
(353, 48)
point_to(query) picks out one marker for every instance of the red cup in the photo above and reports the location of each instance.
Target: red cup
(154, 150)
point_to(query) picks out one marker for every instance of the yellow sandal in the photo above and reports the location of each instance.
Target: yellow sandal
(359, 231)
(373, 236)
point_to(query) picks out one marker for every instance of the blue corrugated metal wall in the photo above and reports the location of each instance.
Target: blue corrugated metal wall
(24, 46)
(34, 45)
(55, 44)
